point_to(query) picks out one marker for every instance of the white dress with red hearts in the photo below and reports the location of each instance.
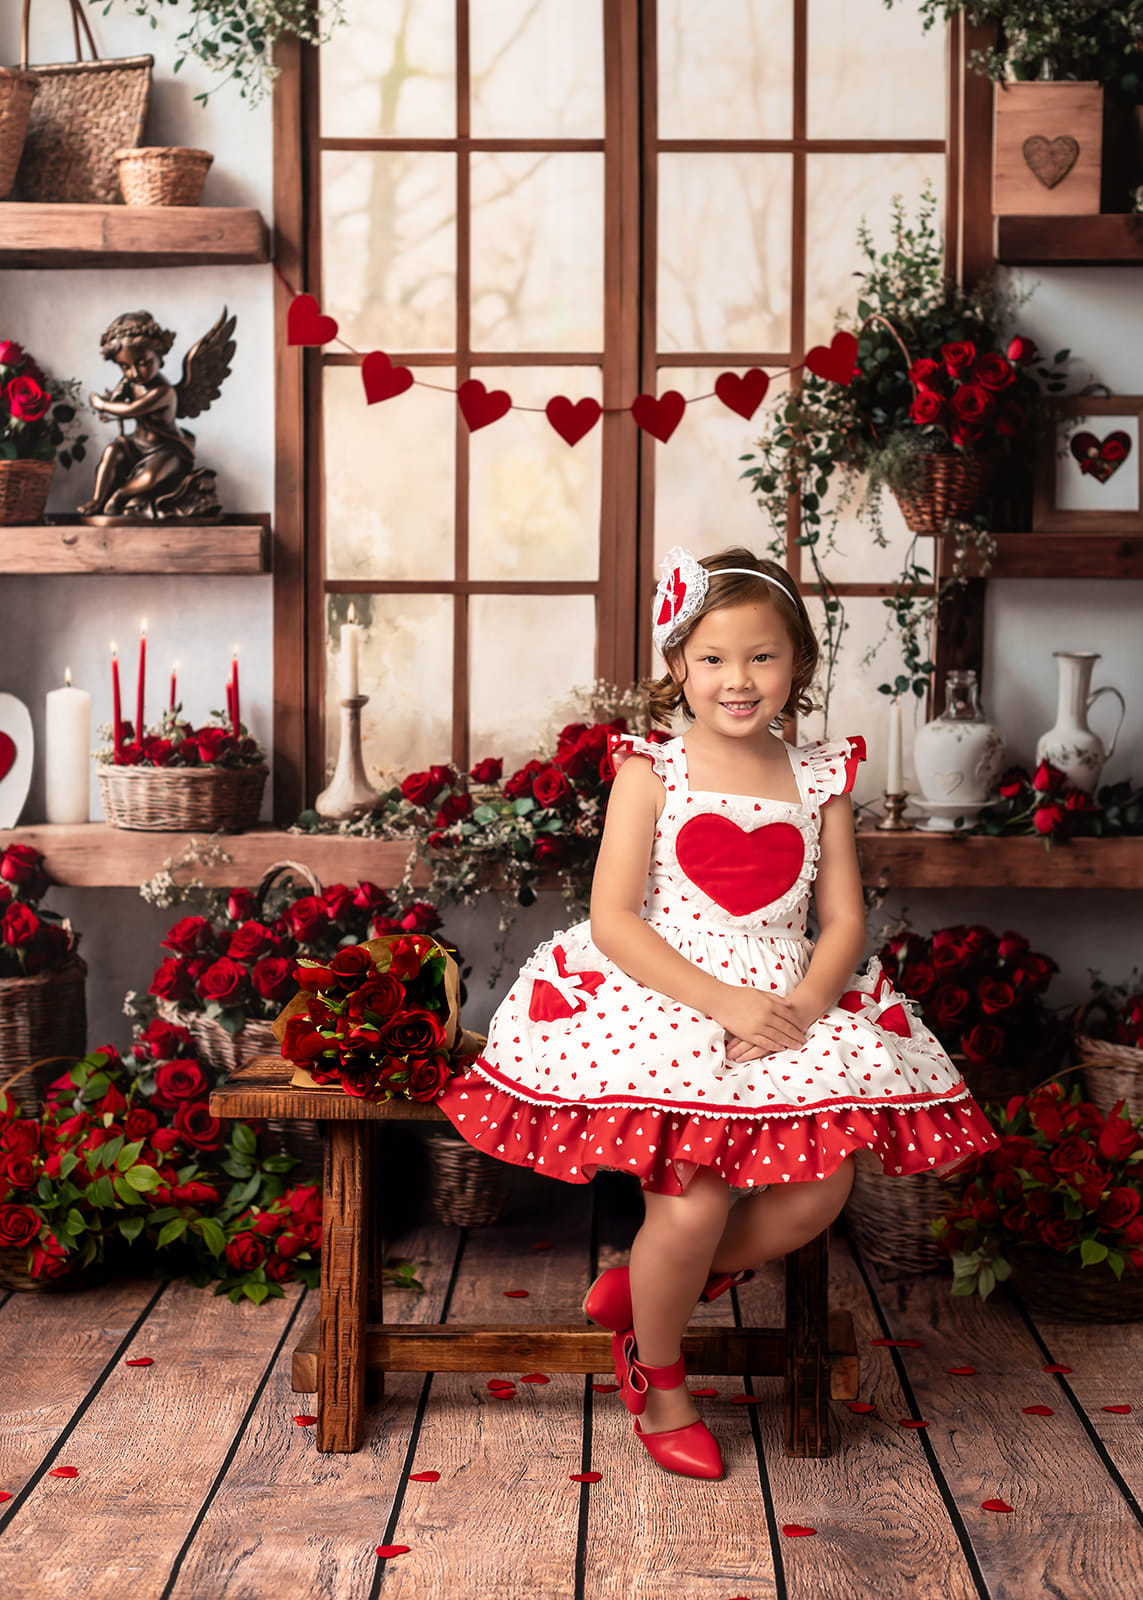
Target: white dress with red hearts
(587, 1068)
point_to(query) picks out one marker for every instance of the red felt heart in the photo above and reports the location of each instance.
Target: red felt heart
(862, 1407)
(742, 393)
(64, 1472)
(1100, 458)
(382, 380)
(659, 417)
(1038, 1411)
(995, 1505)
(1119, 1410)
(1057, 1369)
(740, 871)
(140, 1361)
(961, 1372)
(837, 362)
(797, 1530)
(572, 422)
(585, 1477)
(7, 754)
(304, 1420)
(424, 1477)
(480, 406)
(305, 324)
(386, 1550)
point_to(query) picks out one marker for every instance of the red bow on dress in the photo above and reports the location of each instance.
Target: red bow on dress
(880, 1007)
(561, 993)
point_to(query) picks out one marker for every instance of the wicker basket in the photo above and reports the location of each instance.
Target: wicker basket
(156, 175)
(1059, 1288)
(24, 489)
(42, 1017)
(1019, 1072)
(948, 489)
(17, 91)
(469, 1189)
(182, 799)
(85, 112)
(1111, 1072)
(889, 1218)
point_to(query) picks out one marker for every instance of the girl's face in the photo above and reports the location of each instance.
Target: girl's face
(739, 663)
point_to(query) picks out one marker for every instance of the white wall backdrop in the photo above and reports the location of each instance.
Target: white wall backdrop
(47, 624)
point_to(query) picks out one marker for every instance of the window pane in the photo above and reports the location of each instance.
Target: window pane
(527, 651)
(855, 705)
(841, 191)
(724, 252)
(725, 68)
(405, 669)
(389, 248)
(389, 479)
(701, 501)
(534, 500)
(537, 251)
(537, 70)
(390, 71)
(874, 73)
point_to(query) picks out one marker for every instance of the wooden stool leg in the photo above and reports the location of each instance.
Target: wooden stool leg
(341, 1345)
(374, 1253)
(807, 1349)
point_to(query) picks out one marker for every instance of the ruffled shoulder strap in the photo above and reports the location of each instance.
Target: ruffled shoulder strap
(830, 768)
(621, 746)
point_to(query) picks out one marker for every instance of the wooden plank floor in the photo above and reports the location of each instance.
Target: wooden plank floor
(193, 1481)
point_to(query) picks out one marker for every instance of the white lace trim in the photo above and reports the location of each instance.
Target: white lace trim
(629, 744)
(821, 757)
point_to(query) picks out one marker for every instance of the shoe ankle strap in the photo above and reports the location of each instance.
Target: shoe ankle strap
(662, 1377)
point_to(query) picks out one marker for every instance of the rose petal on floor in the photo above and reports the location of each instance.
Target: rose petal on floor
(904, 1344)
(140, 1361)
(860, 1406)
(796, 1530)
(516, 1294)
(304, 1420)
(1057, 1369)
(961, 1372)
(535, 1377)
(1119, 1410)
(423, 1477)
(64, 1472)
(995, 1505)
(746, 1399)
(4, 1495)
(386, 1550)
(542, 1244)
(912, 1422)
(585, 1477)
(605, 1388)
(1038, 1411)
(705, 1394)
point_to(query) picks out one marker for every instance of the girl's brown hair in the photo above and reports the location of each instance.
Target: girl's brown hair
(666, 695)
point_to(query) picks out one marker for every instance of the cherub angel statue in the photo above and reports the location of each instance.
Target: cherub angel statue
(150, 473)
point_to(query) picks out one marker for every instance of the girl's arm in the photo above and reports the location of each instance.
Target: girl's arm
(840, 908)
(619, 931)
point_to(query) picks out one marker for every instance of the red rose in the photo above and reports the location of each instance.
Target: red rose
(1011, 944)
(273, 978)
(1012, 422)
(983, 1044)
(958, 357)
(1022, 351)
(549, 851)
(49, 1260)
(368, 897)
(1059, 1233)
(139, 1124)
(164, 1140)
(421, 917)
(993, 372)
(519, 785)
(380, 996)
(223, 982)
(427, 1076)
(195, 1193)
(927, 408)
(189, 936)
(551, 787)
(162, 1040)
(21, 863)
(240, 905)
(306, 919)
(21, 1138)
(11, 353)
(1078, 800)
(288, 1245)
(925, 373)
(487, 771)
(303, 1043)
(1113, 449)
(590, 756)
(1118, 1138)
(1046, 819)
(250, 942)
(19, 925)
(414, 1033)
(20, 1171)
(916, 980)
(171, 981)
(455, 807)
(971, 403)
(1119, 1209)
(1033, 971)
(570, 736)
(280, 1270)
(1070, 1156)
(337, 902)
(19, 1225)
(352, 966)
(26, 400)
(245, 1252)
(303, 1202)
(406, 955)
(212, 743)
(1012, 782)
(195, 1124)
(949, 1005)
(995, 996)
(1047, 779)
(950, 958)
(176, 1081)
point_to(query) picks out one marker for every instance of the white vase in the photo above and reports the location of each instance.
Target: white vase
(1070, 744)
(959, 755)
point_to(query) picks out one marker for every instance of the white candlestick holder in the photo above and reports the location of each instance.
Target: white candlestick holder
(349, 792)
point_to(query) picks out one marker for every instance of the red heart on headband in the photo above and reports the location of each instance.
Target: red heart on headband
(659, 417)
(305, 323)
(480, 406)
(742, 393)
(572, 422)
(382, 380)
(838, 362)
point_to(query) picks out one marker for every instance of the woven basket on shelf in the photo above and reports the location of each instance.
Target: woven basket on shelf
(948, 488)
(1057, 1287)
(42, 1017)
(182, 799)
(17, 91)
(1111, 1072)
(469, 1189)
(162, 175)
(1019, 1071)
(24, 489)
(85, 112)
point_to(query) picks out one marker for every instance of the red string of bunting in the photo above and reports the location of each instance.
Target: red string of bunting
(573, 420)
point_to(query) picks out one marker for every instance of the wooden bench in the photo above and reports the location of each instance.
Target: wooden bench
(814, 1350)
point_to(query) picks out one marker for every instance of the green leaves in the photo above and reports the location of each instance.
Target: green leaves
(143, 1179)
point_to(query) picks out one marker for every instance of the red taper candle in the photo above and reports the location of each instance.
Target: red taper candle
(235, 718)
(174, 697)
(139, 687)
(117, 711)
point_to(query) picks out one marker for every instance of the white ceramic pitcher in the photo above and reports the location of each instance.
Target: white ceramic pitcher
(1071, 745)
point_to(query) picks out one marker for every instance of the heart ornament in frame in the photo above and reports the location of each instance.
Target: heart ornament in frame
(17, 749)
(1100, 458)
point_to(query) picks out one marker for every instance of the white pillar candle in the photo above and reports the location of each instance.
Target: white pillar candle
(350, 656)
(67, 754)
(894, 783)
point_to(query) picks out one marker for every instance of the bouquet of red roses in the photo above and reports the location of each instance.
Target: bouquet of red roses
(35, 412)
(381, 1019)
(31, 939)
(1064, 1179)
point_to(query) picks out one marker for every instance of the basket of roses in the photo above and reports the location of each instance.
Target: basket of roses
(1107, 1041)
(181, 778)
(1056, 1208)
(42, 995)
(35, 414)
(982, 995)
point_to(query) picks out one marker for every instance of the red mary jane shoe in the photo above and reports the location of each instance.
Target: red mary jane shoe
(691, 1451)
(608, 1301)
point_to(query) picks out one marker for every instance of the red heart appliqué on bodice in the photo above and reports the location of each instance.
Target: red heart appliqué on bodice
(740, 870)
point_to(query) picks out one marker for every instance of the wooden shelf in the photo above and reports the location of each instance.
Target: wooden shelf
(1064, 555)
(237, 545)
(1110, 239)
(99, 856)
(43, 235)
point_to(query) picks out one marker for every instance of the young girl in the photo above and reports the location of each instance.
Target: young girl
(691, 1033)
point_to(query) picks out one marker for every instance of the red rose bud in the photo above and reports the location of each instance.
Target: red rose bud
(487, 771)
(273, 978)
(20, 863)
(314, 977)
(171, 981)
(368, 897)
(549, 851)
(421, 917)
(164, 1140)
(240, 905)
(19, 925)
(337, 902)
(519, 785)
(11, 354)
(189, 936)
(1022, 351)
(419, 789)
(1046, 778)
(925, 373)
(224, 982)
(1011, 944)
(455, 808)
(1046, 819)
(983, 1044)
(245, 1252)
(1118, 1138)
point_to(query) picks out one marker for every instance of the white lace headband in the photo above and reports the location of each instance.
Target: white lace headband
(682, 589)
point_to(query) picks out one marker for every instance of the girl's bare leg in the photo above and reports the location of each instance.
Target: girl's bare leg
(670, 1260)
(779, 1219)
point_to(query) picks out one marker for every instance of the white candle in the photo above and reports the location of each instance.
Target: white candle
(350, 656)
(67, 754)
(894, 784)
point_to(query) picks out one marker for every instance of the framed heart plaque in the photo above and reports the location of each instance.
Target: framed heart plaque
(1089, 466)
(16, 752)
